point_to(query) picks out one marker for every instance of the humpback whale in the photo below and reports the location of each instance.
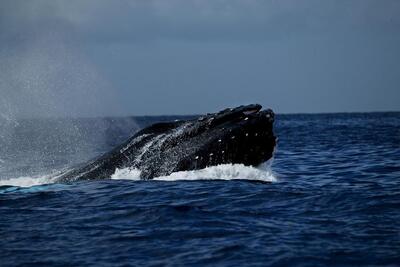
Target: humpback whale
(235, 135)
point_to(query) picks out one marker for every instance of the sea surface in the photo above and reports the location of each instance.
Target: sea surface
(330, 197)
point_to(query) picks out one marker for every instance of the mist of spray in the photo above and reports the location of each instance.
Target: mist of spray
(45, 73)
(50, 77)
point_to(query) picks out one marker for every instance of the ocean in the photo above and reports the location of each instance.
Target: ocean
(330, 197)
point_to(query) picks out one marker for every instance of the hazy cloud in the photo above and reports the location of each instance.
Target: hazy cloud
(127, 21)
(189, 56)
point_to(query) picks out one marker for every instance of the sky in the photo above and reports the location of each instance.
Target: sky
(151, 57)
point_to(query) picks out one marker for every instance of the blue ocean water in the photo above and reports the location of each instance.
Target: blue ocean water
(335, 200)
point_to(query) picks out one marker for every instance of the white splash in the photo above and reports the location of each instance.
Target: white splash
(126, 174)
(27, 181)
(220, 172)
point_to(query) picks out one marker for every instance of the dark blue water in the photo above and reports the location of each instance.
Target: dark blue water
(336, 201)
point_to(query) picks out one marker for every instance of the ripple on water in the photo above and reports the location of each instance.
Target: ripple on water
(334, 202)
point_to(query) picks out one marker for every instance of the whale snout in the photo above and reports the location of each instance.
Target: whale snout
(239, 135)
(269, 114)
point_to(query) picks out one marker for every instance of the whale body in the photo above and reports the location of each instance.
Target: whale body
(235, 135)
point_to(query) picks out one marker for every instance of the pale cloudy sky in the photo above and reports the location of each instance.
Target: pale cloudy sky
(98, 57)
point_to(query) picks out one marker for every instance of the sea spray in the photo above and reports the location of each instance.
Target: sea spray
(219, 172)
(26, 181)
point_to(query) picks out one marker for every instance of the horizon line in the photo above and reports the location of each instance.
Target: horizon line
(194, 115)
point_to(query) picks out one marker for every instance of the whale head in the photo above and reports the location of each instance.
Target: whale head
(236, 135)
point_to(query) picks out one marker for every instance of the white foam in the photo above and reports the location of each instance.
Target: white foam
(220, 172)
(126, 174)
(26, 181)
